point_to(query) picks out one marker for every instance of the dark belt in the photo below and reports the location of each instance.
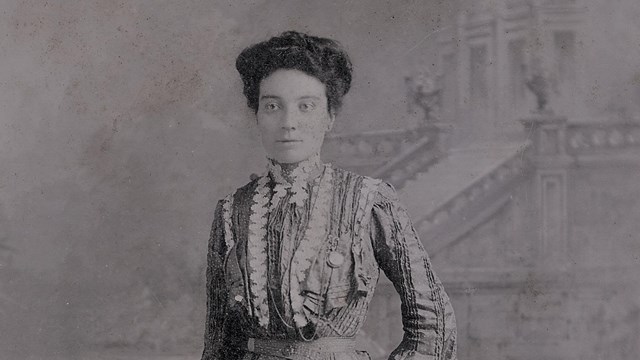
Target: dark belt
(291, 349)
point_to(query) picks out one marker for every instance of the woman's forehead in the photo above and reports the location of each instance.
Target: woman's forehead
(291, 84)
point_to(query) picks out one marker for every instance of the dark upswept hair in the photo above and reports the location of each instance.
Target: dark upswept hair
(322, 58)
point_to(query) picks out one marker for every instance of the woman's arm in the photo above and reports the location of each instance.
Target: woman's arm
(216, 290)
(427, 314)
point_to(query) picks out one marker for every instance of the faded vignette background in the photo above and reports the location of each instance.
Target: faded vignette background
(123, 122)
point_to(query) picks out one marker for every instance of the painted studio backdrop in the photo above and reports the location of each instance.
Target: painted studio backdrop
(511, 129)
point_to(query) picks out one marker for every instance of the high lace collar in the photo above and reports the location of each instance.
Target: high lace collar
(301, 172)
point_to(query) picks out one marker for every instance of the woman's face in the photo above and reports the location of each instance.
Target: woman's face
(293, 115)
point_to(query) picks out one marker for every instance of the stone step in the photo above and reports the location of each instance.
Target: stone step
(454, 173)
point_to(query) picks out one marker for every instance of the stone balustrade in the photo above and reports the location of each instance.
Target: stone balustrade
(596, 137)
(511, 242)
(554, 145)
(409, 163)
(384, 153)
(477, 196)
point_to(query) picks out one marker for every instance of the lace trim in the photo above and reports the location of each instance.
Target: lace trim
(295, 181)
(229, 237)
(279, 192)
(314, 236)
(257, 251)
(300, 173)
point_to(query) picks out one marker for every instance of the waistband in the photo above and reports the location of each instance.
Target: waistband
(290, 349)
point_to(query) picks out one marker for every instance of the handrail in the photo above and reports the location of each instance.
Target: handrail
(374, 133)
(393, 155)
(485, 174)
(402, 157)
(477, 186)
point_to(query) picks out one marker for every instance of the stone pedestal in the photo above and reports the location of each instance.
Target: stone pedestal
(547, 132)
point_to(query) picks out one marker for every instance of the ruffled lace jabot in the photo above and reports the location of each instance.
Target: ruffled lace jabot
(294, 179)
(297, 173)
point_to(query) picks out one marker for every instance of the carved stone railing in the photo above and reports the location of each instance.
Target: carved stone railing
(393, 155)
(410, 162)
(479, 200)
(590, 138)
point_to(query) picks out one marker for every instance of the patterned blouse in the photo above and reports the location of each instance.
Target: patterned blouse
(297, 255)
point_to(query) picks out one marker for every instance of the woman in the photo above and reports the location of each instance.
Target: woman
(295, 254)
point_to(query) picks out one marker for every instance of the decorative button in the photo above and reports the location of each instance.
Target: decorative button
(335, 259)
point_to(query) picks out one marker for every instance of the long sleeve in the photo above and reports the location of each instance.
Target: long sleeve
(216, 290)
(427, 315)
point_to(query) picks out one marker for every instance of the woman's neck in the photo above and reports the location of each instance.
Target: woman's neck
(294, 172)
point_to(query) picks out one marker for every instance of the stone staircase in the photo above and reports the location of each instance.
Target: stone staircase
(447, 192)
(548, 236)
(463, 190)
(393, 155)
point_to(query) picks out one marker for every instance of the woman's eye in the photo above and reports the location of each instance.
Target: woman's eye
(307, 106)
(271, 106)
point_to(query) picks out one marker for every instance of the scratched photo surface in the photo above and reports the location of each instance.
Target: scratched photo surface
(511, 129)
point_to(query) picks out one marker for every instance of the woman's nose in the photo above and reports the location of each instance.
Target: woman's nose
(290, 119)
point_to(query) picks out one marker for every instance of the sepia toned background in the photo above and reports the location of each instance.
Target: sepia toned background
(123, 122)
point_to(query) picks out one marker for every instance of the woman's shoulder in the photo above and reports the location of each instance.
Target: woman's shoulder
(245, 190)
(380, 188)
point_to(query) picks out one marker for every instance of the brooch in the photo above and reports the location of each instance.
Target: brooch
(335, 259)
